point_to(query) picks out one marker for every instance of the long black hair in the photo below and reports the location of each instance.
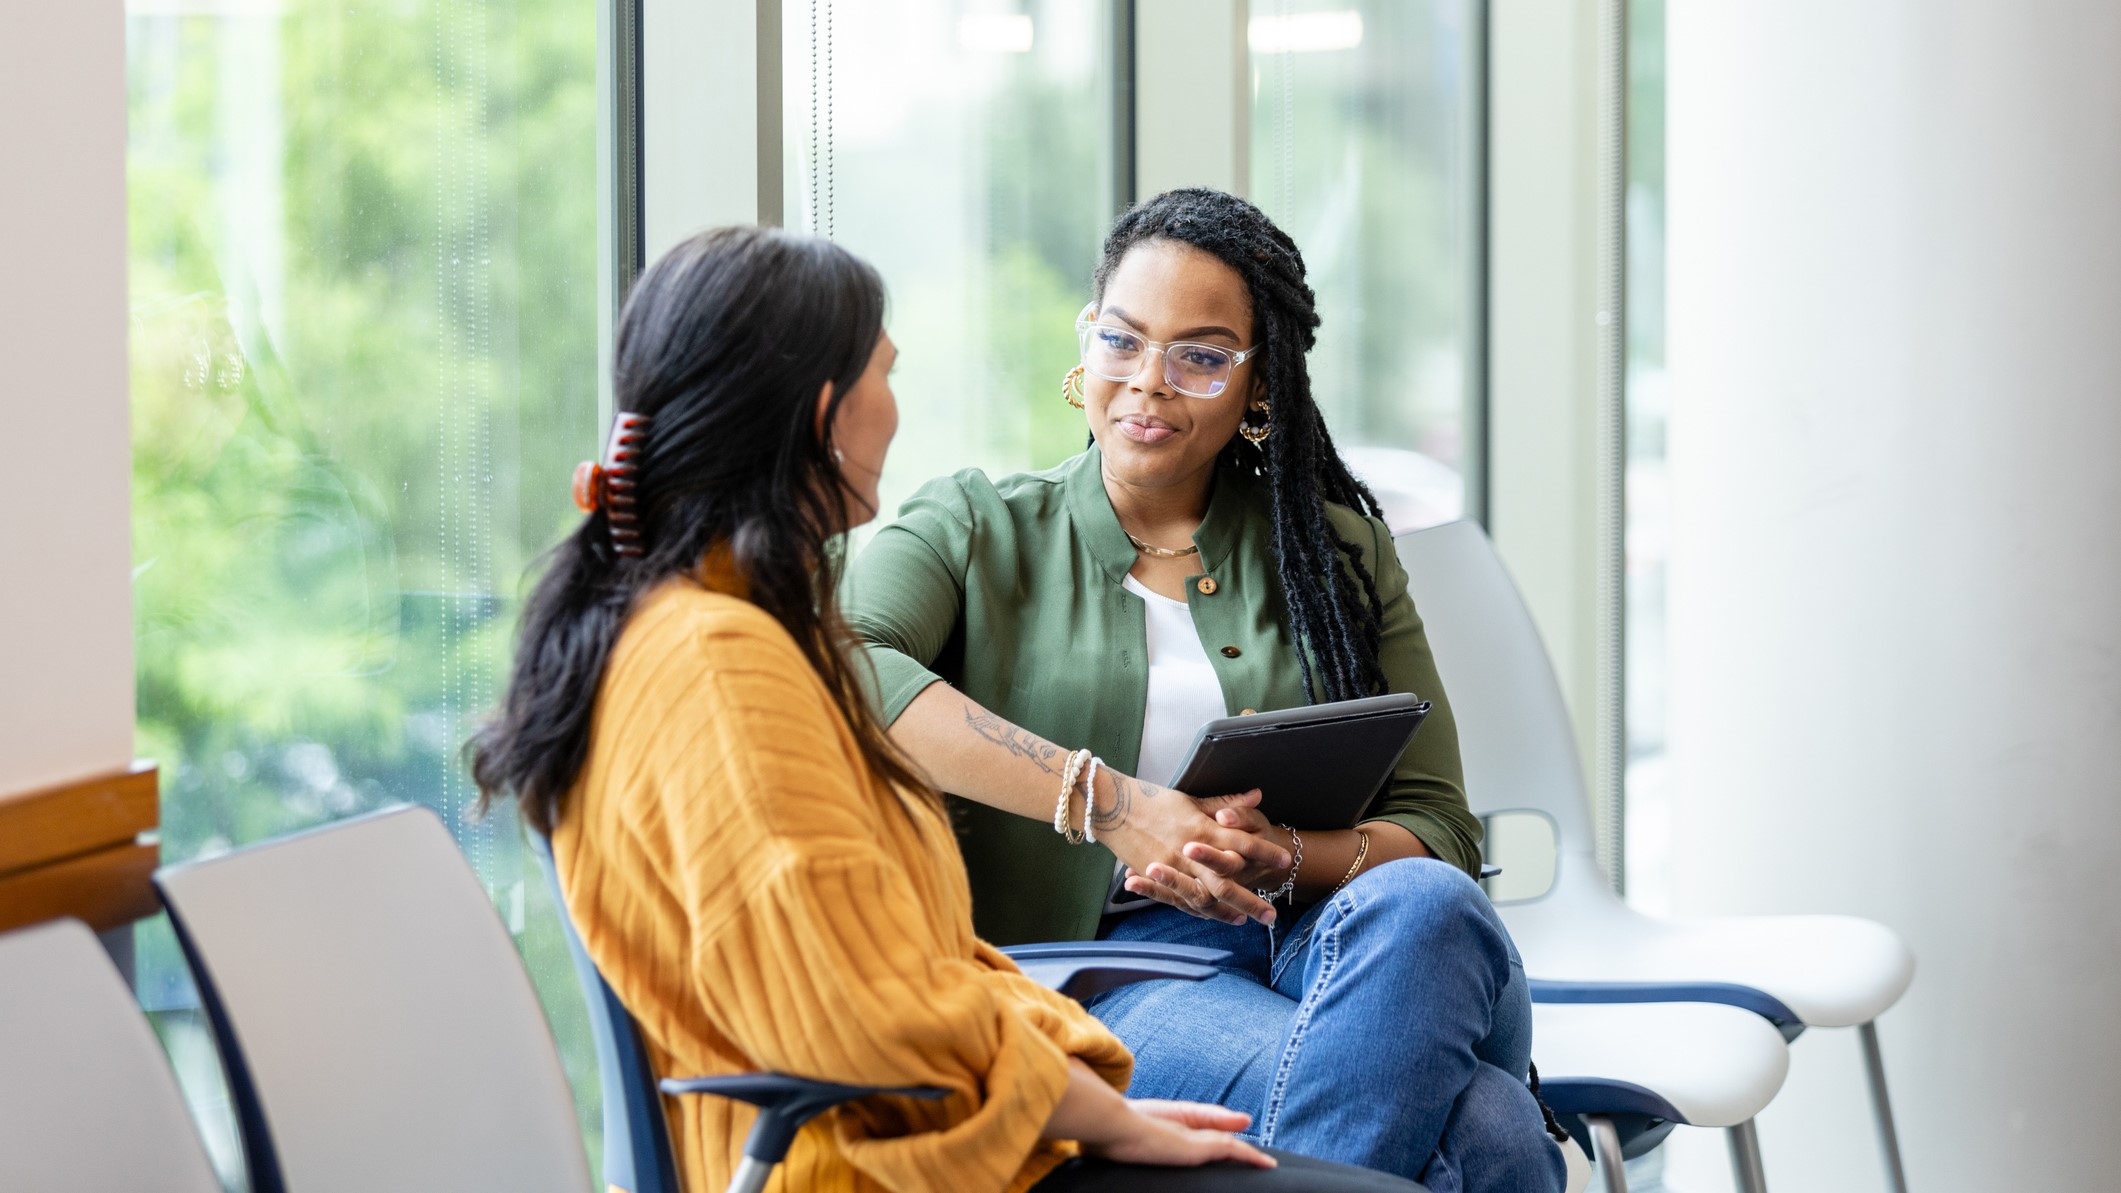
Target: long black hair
(724, 344)
(1333, 607)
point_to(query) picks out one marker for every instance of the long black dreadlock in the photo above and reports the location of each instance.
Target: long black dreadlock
(1334, 611)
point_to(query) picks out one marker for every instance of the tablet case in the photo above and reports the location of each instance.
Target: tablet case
(1317, 767)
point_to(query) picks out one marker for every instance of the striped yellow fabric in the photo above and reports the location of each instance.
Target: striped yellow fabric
(760, 901)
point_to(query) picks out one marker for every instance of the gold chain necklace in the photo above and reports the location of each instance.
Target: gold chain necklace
(1160, 552)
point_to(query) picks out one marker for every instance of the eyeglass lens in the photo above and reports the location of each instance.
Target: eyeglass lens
(1115, 354)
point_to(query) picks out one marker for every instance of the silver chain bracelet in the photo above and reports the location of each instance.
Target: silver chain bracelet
(1296, 862)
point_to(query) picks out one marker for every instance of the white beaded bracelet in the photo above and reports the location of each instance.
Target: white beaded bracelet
(1090, 800)
(1061, 809)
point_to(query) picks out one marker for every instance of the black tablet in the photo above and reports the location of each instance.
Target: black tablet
(1317, 767)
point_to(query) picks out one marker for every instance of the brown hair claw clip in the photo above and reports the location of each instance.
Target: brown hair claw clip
(610, 486)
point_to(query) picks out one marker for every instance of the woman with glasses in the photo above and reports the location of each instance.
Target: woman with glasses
(1046, 645)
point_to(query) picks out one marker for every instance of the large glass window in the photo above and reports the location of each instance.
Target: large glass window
(965, 150)
(365, 319)
(364, 345)
(1365, 141)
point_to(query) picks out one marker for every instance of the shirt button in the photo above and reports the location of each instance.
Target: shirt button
(1231, 652)
(1206, 586)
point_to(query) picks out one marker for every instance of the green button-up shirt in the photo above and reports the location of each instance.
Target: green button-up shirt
(1011, 590)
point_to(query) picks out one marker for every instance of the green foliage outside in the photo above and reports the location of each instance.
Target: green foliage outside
(363, 362)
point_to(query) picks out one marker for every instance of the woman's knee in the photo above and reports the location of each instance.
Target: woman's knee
(1497, 1130)
(1420, 890)
(1419, 906)
(1418, 878)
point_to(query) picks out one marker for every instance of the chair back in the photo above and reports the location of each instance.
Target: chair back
(377, 1027)
(1514, 735)
(87, 1100)
(637, 1156)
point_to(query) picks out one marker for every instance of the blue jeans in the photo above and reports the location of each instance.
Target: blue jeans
(1390, 1027)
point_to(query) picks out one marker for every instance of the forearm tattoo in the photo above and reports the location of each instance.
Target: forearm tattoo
(1015, 740)
(1104, 820)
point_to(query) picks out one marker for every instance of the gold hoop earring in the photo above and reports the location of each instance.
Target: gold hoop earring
(1072, 387)
(1256, 436)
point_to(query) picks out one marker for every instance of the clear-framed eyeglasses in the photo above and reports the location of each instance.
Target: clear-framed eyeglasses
(1195, 370)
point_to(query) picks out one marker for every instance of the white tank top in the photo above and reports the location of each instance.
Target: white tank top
(1183, 690)
(1183, 693)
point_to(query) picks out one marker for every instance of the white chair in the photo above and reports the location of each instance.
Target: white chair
(1628, 1073)
(1580, 942)
(87, 1100)
(377, 1027)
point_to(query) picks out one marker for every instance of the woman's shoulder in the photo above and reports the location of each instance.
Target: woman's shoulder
(1366, 531)
(708, 694)
(682, 618)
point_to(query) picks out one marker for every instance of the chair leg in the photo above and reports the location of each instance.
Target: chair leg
(750, 1176)
(1882, 1106)
(1605, 1140)
(1746, 1168)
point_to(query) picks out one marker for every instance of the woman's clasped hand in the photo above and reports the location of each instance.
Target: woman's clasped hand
(1183, 852)
(1242, 815)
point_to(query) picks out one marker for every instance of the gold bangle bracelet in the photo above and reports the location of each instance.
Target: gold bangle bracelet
(1362, 852)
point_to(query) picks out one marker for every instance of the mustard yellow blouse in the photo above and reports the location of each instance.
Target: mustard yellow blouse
(761, 901)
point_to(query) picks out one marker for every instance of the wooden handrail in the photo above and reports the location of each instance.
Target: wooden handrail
(82, 849)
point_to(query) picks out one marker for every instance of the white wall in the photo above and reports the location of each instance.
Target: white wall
(1192, 127)
(66, 647)
(711, 73)
(1542, 427)
(1895, 336)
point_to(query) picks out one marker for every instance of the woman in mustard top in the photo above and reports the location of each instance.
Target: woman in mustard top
(763, 879)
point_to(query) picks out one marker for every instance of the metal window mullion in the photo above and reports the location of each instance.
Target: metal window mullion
(619, 180)
(1124, 167)
(1479, 263)
(625, 164)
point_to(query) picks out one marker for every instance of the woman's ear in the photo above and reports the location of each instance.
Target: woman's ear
(824, 405)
